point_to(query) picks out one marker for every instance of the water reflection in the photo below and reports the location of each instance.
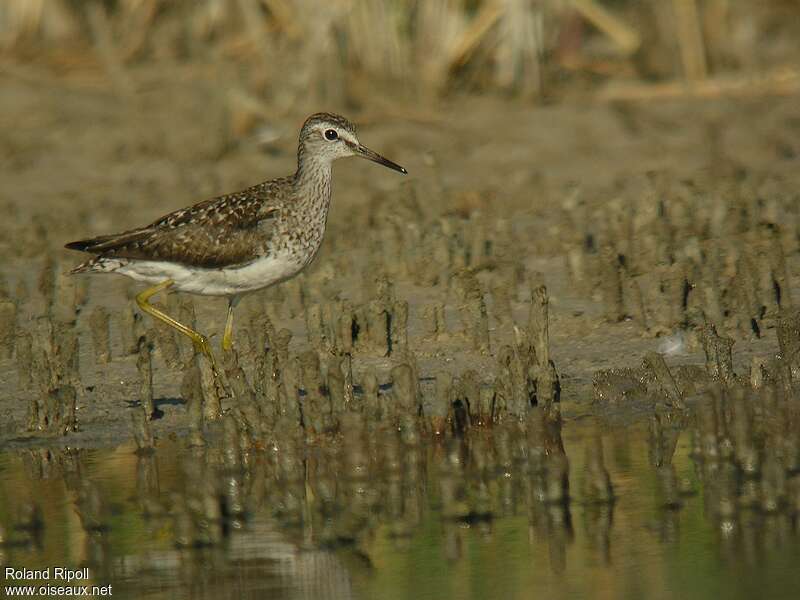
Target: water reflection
(691, 504)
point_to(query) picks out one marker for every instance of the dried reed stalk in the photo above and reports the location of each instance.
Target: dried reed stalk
(621, 34)
(488, 16)
(690, 39)
(779, 82)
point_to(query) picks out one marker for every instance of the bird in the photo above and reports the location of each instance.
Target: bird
(237, 243)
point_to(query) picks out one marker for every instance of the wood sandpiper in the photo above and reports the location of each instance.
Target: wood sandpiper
(236, 243)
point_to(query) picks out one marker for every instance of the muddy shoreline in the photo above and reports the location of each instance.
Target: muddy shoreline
(644, 222)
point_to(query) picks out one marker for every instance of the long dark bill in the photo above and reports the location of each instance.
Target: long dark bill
(375, 157)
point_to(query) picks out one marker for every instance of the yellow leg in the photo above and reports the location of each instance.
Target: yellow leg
(200, 341)
(227, 337)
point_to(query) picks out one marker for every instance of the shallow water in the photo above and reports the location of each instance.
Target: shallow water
(461, 519)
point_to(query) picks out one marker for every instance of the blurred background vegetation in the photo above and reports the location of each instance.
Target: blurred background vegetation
(339, 50)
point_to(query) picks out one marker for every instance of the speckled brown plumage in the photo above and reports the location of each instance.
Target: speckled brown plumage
(227, 230)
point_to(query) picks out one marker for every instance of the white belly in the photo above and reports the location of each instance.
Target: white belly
(212, 282)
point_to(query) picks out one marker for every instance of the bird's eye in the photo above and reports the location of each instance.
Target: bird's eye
(331, 135)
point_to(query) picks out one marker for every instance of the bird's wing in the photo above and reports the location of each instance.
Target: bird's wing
(228, 230)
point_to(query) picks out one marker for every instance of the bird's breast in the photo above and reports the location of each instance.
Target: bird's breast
(301, 232)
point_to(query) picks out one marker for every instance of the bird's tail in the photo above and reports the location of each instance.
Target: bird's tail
(98, 264)
(82, 245)
(84, 267)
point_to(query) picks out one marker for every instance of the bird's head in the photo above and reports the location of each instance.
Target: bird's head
(326, 137)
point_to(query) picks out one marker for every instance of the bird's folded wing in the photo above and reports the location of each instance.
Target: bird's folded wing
(221, 232)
